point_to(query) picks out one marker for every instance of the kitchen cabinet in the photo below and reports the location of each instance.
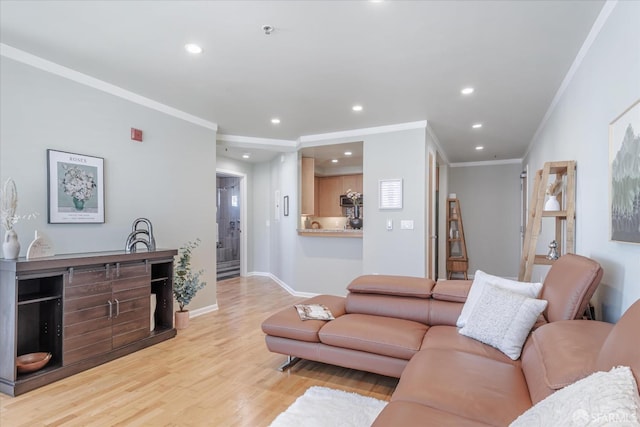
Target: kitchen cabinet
(84, 309)
(330, 188)
(308, 187)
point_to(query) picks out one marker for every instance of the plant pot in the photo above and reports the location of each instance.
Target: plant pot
(182, 319)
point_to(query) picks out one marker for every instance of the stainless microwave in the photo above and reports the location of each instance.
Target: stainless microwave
(345, 201)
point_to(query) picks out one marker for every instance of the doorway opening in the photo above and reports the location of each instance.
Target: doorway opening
(228, 226)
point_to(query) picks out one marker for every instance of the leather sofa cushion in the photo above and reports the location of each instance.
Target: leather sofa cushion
(375, 334)
(406, 286)
(448, 338)
(409, 414)
(468, 385)
(621, 346)
(408, 308)
(287, 324)
(561, 353)
(451, 290)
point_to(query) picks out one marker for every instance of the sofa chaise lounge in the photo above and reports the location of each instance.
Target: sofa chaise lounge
(406, 328)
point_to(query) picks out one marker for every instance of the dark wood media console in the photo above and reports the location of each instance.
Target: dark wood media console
(84, 309)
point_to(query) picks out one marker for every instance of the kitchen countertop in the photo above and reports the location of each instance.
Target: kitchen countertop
(329, 232)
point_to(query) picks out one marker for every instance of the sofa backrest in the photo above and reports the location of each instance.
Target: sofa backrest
(622, 346)
(569, 285)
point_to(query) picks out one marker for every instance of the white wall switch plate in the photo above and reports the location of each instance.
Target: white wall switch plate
(389, 224)
(406, 224)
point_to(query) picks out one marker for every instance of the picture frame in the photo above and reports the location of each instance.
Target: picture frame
(75, 188)
(624, 178)
(390, 194)
(285, 206)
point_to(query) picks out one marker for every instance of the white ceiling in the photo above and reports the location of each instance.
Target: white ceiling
(404, 61)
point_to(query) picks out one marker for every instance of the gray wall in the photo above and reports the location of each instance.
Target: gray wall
(489, 198)
(160, 179)
(606, 83)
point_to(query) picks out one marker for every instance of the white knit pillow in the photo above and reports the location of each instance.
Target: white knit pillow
(481, 279)
(503, 319)
(601, 399)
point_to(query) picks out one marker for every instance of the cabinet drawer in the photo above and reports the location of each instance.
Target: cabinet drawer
(87, 339)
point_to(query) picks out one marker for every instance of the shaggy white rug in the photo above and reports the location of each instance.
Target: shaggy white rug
(326, 407)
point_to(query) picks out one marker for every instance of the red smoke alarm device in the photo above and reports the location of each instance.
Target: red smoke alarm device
(136, 134)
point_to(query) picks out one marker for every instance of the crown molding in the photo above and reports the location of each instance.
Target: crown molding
(84, 79)
(487, 163)
(365, 131)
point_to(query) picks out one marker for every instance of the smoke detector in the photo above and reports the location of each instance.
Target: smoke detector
(268, 29)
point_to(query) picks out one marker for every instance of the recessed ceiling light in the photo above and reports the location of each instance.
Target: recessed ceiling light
(193, 48)
(477, 125)
(334, 161)
(467, 91)
(357, 108)
(479, 147)
(246, 155)
(348, 153)
(275, 121)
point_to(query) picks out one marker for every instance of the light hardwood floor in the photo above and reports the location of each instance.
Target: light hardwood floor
(218, 372)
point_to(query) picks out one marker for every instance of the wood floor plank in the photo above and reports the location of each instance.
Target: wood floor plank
(218, 372)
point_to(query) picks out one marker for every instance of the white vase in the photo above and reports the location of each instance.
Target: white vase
(10, 245)
(552, 204)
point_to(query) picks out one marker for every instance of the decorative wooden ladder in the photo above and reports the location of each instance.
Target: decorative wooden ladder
(566, 216)
(457, 261)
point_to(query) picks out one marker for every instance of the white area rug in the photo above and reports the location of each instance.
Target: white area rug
(326, 407)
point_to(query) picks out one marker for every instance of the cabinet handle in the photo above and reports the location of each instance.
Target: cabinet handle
(110, 309)
(107, 268)
(117, 308)
(70, 274)
(117, 269)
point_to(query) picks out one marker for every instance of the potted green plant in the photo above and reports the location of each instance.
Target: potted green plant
(186, 283)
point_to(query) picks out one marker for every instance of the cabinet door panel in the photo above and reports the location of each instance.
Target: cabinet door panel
(84, 277)
(131, 337)
(87, 302)
(79, 328)
(126, 327)
(132, 283)
(89, 314)
(85, 352)
(330, 189)
(132, 294)
(83, 340)
(87, 289)
(131, 270)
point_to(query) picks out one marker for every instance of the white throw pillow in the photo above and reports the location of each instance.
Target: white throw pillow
(481, 279)
(503, 319)
(601, 399)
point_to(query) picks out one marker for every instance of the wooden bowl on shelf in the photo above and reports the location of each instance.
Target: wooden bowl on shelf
(32, 361)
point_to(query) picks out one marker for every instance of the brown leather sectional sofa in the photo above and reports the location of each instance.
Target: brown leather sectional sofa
(405, 327)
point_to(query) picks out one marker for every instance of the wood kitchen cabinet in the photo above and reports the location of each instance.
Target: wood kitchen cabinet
(308, 187)
(330, 189)
(85, 309)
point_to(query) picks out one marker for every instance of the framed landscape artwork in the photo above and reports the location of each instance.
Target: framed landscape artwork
(624, 167)
(75, 188)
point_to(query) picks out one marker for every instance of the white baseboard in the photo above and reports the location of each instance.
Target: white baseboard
(283, 285)
(204, 310)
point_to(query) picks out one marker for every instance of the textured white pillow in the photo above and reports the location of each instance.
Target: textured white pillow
(601, 399)
(503, 319)
(481, 279)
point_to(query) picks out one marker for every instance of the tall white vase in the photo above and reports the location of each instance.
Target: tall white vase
(10, 245)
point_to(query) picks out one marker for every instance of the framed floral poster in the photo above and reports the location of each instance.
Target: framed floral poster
(624, 166)
(75, 188)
